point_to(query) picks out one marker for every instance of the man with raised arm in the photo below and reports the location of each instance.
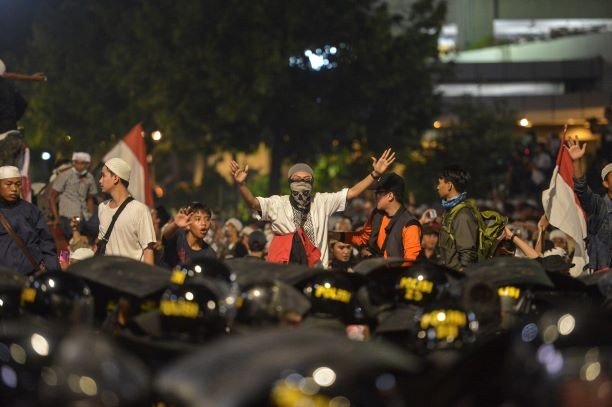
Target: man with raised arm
(299, 220)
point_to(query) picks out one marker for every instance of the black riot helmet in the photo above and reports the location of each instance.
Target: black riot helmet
(332, 294)
(289, 367)
(270, 302)
(561, 358)
(421, 284)
(445, 325)
(26, 346)
(89, 370)
(58, 295)
(193, 311)
(11, 284)
(515, 280)
(203, 268)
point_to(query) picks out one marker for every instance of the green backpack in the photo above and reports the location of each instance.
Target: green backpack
(491, 225)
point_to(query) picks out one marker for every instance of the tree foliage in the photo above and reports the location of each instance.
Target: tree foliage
(479, 139)
(216, 74)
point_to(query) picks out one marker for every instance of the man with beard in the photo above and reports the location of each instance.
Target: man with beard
(26, 245)
(300, 220)
(183, 237)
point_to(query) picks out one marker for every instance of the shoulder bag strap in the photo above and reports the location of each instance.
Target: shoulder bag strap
(115, 216)
(17, 239)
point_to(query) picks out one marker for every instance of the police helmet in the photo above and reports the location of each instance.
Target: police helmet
(445, 325)
(58, 295)
(270, 302)
(332, 294)
(192, 311)
(208, 268)
(561, 358)
(421, 284)
(11, 284)
(293, 367)
(26, 345)
(89, 370)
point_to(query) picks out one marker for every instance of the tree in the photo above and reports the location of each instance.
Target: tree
(479, 139)
(229, 74)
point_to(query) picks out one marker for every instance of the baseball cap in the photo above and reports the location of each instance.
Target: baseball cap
(119, 168)
(390, 182)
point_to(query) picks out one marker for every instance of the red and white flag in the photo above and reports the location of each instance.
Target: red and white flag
(26, 188)
(132, 150)
(563, 209)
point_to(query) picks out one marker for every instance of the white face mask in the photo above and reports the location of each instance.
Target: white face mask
(80, 173)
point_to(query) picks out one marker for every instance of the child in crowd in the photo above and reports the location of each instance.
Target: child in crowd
(183, 237)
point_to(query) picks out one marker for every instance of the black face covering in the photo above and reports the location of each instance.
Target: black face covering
(301, 195)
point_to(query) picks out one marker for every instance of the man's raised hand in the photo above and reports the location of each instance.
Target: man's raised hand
(381, 164)
(238, 173)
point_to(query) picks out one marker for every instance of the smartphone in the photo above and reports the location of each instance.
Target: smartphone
(432, 214)
(63, 256)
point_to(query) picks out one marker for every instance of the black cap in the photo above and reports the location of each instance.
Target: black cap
(389, 182)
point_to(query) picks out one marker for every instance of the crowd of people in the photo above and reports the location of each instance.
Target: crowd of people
(351, 297)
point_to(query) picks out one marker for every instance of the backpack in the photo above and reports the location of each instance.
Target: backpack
(491, 225)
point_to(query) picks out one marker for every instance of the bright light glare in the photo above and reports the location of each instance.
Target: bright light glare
(566, 324)
(45, 155)
(324, 376)
(316, 61)
(40, 344)
(156, 135)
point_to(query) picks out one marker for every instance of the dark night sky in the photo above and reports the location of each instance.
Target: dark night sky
(15, 27)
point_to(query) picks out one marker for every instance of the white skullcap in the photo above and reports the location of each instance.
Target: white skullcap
(2, 68)
(81, 156)
(233, 221)
(605, 171)
(8, 171)
(82, 253)
(557, 234)
(119, 168)
(247, 230)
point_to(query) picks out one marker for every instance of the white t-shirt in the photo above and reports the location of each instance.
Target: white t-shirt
(277, 209)
(132, 232)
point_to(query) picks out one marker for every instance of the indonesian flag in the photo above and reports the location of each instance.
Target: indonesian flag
(26, 190)
(133, 151)
(563, 209)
